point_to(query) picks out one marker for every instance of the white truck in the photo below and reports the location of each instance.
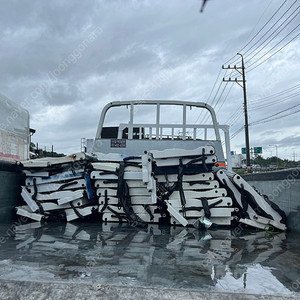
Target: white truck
(14, 131)
(238, 160)
(14, 146)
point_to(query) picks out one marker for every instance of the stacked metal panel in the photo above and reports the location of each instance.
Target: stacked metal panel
(126, 191)
(193, 191)
(57, 188)
(180, 187)
(174, 186)
(251, 207)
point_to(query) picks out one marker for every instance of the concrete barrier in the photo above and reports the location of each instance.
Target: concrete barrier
(49, 290)
(11, 180)
(283, 188)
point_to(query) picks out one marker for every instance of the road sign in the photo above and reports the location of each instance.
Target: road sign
(243, 150)
(257, 150)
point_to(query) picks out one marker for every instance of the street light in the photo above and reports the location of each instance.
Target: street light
(276, 146)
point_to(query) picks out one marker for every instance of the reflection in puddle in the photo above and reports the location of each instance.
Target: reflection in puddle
(172, 257)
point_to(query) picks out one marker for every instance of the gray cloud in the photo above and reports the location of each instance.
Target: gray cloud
(63, 93)
(140, 41)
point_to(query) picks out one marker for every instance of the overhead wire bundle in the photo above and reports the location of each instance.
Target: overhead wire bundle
(279, 31)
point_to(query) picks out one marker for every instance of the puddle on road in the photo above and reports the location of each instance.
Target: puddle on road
(223, 260)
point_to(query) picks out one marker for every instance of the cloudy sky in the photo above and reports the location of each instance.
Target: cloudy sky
(64, 60)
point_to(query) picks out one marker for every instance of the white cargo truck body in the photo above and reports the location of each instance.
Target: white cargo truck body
(14, 146)
(14, 131)
(237, 160)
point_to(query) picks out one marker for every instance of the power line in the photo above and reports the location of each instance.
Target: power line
(286, 94)
(234, 113)
(229, 60)
(225, 98)
(269, 36)
(238, 116)
(273, 48)
(256, 104)
(273, 102)
(231, 119)
(214, 84)
(205, 114)
(266, 118)
(236, 133)
(273, 95)
(264, 25)
(276, 94)
(274, 98)
(280, 117)
(201, 112)
(217, 90)
(272, 39)
(271, 28)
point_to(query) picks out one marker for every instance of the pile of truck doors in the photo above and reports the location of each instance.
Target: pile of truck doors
(173, 186)
(57, 188)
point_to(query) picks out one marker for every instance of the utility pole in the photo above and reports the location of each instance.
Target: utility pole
(242, 84)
